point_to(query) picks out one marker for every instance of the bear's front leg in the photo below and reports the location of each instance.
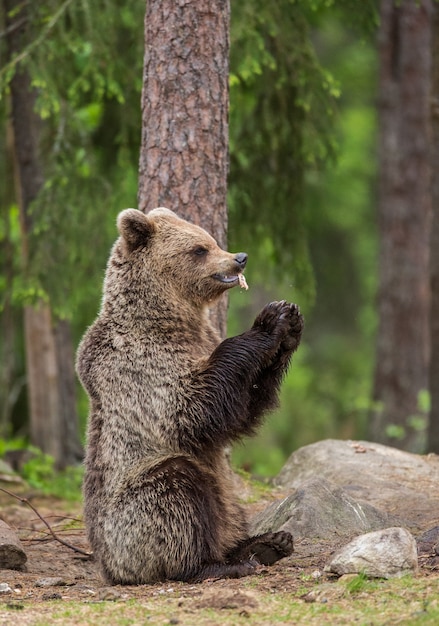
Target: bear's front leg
(216, 400)
(266, 385)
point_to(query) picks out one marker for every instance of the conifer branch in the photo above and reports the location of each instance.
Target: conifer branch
(36, 42)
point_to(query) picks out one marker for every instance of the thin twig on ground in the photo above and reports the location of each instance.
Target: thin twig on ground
(46, 523)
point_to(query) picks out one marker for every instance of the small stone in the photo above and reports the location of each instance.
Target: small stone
(85, 589)
(51, 582)
(108, 594)
(385, 553)
(326, 592)
(310, 596)
(51, 596)
(5, 588)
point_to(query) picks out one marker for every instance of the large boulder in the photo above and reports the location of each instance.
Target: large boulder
(12, 555)
(320, 510)
(402, 485)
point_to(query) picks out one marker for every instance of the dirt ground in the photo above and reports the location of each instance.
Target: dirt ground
(54, 571)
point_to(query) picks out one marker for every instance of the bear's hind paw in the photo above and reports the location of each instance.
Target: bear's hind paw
(271, 547)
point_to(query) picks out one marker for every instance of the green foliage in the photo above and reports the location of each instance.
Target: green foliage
(302, 94)
(281, 116)
(424, 401)
(361, 17)
(283, 113)
(40, 473)
(395, 431)
(328, 390)
(88, 99)
(417, 423)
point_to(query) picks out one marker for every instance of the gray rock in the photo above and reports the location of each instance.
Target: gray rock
(399, 483)
(12, 555)
(51, 581)
(108, 594)
(319, 509)
(428, 541)
(51, 596)
(382, 554)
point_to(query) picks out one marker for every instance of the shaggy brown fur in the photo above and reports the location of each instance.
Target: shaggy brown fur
(166, 398)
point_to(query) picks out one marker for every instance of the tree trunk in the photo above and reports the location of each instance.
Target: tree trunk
(184, 149)
(10, 383)
(42, 376)
(71, 447)
(433, 432)
(52, 411)
(404, 210)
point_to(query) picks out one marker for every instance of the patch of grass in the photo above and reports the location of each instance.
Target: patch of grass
(411, 601)
(360, 582)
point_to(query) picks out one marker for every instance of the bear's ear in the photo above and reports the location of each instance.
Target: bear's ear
(135, 228)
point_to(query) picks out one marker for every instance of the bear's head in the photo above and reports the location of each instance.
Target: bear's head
(165, 251)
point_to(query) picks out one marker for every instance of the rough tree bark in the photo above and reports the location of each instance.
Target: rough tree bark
(402, 355)
(184, 149)
(50, 374)
(433, 430)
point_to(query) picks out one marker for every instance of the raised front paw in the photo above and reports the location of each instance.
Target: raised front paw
(283, 322)
(273, 321)
(291, 339)
(273, 318)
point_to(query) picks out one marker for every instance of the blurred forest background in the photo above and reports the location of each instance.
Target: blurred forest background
(304, 192)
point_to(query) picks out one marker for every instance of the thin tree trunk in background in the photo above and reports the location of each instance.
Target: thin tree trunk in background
(184, 149)
(51, 386)
(71, 447)
(42, 377)
(9, 390)
(402, 355)
(433, 431)
(52, 411)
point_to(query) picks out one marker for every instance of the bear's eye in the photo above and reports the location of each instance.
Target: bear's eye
(200, 251)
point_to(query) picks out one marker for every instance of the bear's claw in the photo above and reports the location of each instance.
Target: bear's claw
(283, 321)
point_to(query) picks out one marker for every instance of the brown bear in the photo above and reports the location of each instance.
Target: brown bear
(167, 397)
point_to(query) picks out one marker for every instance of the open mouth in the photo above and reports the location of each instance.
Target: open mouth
(232, 280)
(228, 280)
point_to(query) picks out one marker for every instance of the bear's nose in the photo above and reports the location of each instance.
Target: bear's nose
(241, 259)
